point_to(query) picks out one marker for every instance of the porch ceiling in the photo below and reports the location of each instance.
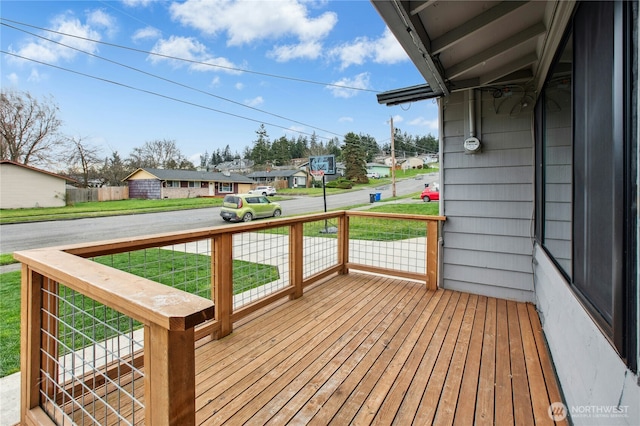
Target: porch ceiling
(458, 45)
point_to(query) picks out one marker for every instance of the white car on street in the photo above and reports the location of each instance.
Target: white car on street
(263, 190)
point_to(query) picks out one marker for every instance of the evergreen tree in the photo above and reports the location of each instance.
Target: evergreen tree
(370, 146)
(226, 154)
(281, 151)
(354, 158)
(260, 153)
(114, 170)
(204, 159)
(300, 149)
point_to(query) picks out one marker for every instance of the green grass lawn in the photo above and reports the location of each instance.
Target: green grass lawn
(104, 208)
(10, 324)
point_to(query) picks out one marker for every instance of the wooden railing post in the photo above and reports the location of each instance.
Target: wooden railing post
(170, 372)
(222, 282)
(432, 255)
(296, 265)
(343, 243)
(31, 306)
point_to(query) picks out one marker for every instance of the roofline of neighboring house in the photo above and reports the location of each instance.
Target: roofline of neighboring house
(181, 179)
(35, 169)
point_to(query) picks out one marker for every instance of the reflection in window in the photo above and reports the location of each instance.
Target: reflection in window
(557, 157)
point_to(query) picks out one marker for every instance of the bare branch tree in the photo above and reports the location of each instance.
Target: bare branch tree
(28, 128)
(82, 158)
(162, 154)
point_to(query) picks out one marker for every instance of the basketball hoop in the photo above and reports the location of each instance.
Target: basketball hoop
(317, 174)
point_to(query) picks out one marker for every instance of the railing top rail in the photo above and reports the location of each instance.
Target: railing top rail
(139, 298)
(120, 245)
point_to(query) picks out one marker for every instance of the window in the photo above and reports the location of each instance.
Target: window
(225, 187)
(193, 184)
(173, 184)
(586, 167)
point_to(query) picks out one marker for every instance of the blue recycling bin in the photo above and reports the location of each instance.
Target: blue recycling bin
(378, 195)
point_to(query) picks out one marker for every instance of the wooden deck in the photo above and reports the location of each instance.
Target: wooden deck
(362, 349)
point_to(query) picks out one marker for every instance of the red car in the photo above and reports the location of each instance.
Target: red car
(430, 193)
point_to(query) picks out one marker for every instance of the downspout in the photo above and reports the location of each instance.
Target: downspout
(442, 191)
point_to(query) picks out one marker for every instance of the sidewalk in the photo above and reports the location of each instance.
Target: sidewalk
(10, 400)
(10, 385)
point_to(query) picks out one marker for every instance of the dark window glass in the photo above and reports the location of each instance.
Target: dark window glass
(558, 160)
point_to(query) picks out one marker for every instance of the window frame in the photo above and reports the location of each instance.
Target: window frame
(622, 329)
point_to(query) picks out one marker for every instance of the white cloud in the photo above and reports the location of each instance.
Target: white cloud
(13, 78)
(246, 22)
(398, 119)
(215, 82)
(306, 50)
(425, 122)
(388, 50)
(239, 86)
(345, 120)
(360, 81)
(35, 76)
(383, 50)
(66, 24)
(99, 18)
(137, 3)
(254, 102)
(146, 34)
(195, 53)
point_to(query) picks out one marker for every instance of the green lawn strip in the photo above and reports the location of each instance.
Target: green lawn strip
(186, 271)
(372, 229)
(105, 208)
(7, 259)
(10, 324)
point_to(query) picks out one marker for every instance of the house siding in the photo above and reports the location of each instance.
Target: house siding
(488, 198)
(145, 189)
(25, 188)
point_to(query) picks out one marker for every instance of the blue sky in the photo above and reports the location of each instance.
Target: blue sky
(241, 64)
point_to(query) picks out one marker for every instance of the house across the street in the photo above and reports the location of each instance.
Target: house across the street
(162, 183)
(290, 178)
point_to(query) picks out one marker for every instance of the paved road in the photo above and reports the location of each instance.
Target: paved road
(25, 236)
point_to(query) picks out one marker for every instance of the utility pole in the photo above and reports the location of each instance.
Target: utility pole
(393, 162)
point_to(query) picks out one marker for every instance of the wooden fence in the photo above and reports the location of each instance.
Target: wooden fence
(109, 193)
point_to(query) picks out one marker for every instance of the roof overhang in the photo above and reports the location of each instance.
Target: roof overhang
(461, 45)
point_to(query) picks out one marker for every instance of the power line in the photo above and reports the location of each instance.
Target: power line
(158, 94)
(168, 80)
(191, 61)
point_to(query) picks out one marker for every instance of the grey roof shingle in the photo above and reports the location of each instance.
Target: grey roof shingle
(197, 176)
(274, 173)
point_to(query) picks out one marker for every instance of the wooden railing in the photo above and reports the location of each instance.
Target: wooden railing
(300, 251)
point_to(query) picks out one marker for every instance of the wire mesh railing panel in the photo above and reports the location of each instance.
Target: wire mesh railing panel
(185, 266)
(260, 264)
(320, 246)
(90, 360)
(388, 243)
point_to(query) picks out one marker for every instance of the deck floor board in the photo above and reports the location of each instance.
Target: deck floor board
(364, 349)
